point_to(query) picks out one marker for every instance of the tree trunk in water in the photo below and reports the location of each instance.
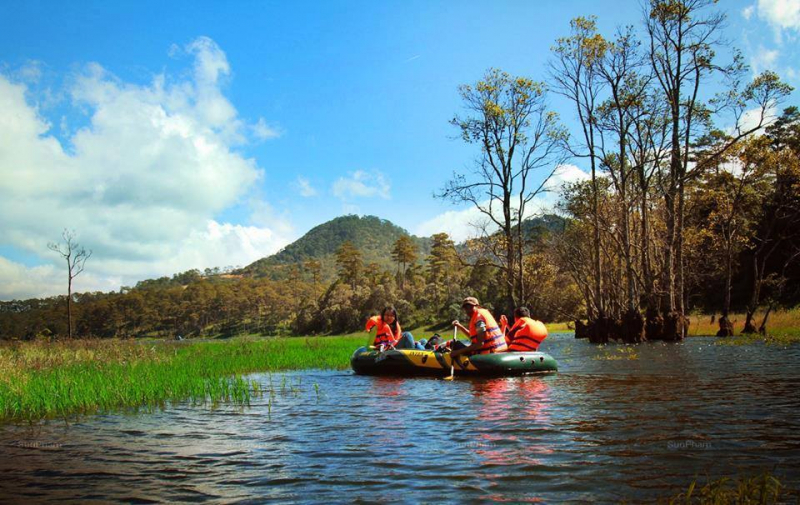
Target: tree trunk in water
(749, 325)
(653, 328)
(581, 329)
(654, 324)
(598, 330)
(725, 327)
(674, 326)
(633, 327)
(762, 329)
(681, 287)
(598, 271)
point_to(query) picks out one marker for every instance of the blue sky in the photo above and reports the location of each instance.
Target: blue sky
(280, 116)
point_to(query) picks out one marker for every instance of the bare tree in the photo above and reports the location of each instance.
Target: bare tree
(508, 117)
(575, 75)
(683, 38)
(76, 256)
(627, 89)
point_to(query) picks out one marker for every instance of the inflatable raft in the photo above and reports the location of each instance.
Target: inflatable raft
(369, 361)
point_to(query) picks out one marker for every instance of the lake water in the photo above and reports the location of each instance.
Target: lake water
(615, 423)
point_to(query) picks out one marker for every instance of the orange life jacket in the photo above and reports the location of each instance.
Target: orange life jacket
(383, 333)
(526, 335)
(493, 340)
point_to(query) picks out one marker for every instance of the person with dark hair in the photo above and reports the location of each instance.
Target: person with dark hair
(388, 334)
(484, 333)
(526, 334)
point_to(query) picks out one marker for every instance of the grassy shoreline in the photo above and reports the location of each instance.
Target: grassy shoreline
(781, 323)
(41, 380)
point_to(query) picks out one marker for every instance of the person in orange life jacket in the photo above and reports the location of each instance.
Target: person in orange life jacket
(388, 333)
(526, 334)
(483, 331)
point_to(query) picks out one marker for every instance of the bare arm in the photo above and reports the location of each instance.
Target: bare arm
(461, 327)
(473, 347)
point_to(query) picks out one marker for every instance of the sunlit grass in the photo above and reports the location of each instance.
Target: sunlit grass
(759, 489)
(780, 323)
(558, 327)
(45, 380)
(783, 326)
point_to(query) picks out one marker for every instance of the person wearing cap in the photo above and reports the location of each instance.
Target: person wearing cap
(484, 333)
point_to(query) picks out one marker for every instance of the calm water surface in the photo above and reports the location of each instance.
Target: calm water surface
(602, 429)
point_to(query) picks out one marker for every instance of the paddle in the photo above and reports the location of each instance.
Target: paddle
(452, 359)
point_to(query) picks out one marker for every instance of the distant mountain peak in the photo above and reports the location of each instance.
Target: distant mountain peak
(373, 236)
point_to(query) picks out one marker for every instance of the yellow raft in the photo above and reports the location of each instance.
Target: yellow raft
(370, 361)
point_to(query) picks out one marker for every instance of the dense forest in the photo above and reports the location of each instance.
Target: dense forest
(692, 204)
(426, 288)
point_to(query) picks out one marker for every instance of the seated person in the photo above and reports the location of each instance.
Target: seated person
(484, 333)
(388, 334)
(527, 333)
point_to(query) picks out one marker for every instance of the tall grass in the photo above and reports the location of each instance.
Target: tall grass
(45, 380)
(759, 489)
(780, 322)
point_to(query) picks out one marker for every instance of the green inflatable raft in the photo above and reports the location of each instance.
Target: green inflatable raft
(369, 361)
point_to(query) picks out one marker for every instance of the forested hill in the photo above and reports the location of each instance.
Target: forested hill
(372, 236)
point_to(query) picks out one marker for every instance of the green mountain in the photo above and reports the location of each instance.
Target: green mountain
(538, 228)
(373, 236)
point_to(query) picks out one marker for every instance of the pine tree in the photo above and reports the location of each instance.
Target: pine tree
(349, 262)
(404, 253)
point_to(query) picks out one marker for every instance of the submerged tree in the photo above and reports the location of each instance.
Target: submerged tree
(684, 37)
(76, 257)
(576, 76)
(508, 117)
(776, 242)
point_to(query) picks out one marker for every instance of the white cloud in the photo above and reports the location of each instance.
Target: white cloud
(782, 15)
(223, 244)
(262, 214)
(263, 131)
(141, 182)
(751, 118)
(361, 184)
(460, 225)
(564, 174)
(30, 72)
(219, 244)
(747, 12)
(304, 187)
(764, 59)
(469, 223)
(19, 281)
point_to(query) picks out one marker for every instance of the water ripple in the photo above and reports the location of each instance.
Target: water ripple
(601, 430)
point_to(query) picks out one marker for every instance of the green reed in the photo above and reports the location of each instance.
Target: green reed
(56, 380)
(758, 489)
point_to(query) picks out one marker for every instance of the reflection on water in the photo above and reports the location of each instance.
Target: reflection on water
(602, 429)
